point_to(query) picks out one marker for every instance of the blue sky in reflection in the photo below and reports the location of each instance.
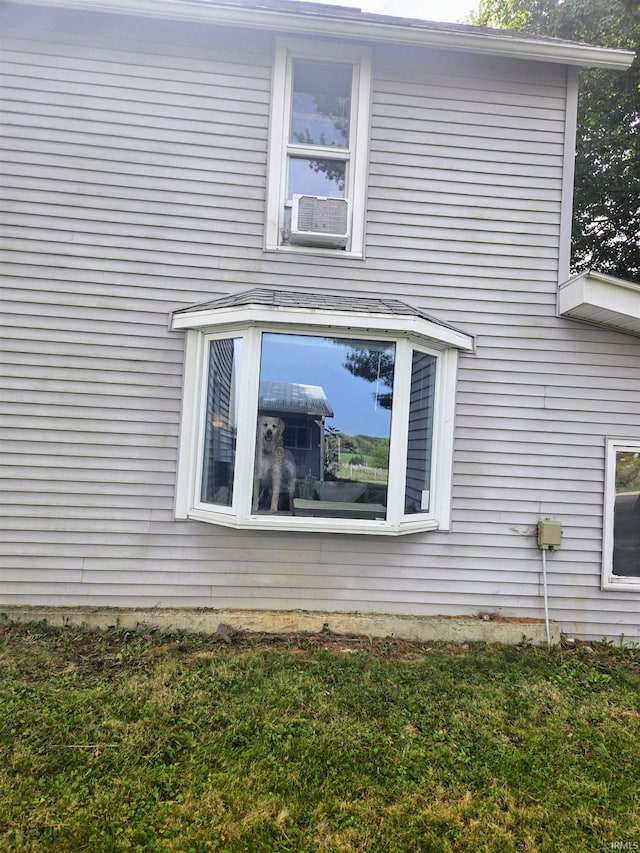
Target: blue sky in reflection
(311, 360)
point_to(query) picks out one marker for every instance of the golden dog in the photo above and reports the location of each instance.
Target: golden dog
(275, 466)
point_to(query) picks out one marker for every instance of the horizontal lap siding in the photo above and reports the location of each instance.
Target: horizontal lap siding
(539, 396)
(120, 156)
(135, 164)
(131, 165)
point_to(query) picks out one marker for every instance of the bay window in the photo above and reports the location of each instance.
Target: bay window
(317, 413)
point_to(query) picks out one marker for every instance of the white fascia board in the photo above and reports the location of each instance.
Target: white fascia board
(602, 299)
(246, 316)
(370, 28)
(422, 328)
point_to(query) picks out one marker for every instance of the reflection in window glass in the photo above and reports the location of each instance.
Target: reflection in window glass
(310, 176)
(423, 374)
(324, 425)
(321, 103)
(626, 519)
(221, 421)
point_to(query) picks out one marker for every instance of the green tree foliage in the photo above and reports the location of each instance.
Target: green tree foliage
(606, 220)
(381, 453)
(332, 450)
(375, 366)
(364, 444)
(627, 472)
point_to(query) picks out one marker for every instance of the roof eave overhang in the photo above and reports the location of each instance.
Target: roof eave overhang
(370, 28)
(601, 299)
(246, 316)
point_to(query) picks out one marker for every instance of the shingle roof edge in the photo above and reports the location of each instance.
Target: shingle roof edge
(268, 297)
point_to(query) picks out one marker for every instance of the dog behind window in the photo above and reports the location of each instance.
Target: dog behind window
(275, 466)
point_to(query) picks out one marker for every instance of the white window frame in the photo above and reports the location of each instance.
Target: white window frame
(356, 155)
(249, 322)
(609, 580)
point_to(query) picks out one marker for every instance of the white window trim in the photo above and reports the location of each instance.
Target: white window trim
(249, 323)
(358, 152)
(609, 580)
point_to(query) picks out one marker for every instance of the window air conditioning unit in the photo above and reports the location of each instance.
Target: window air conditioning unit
(319, 221)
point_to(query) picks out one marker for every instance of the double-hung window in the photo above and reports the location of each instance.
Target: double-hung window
(317, 413)
(318, 148)
(621, 551)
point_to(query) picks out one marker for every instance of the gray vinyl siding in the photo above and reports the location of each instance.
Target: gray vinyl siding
(134, 183)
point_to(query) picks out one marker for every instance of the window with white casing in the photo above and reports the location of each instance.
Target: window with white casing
(318, 148)
(621, 547)
(317, 413)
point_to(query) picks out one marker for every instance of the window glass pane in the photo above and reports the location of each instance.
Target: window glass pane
(308, 176)
(626, 519)
(321, 103)
(324, 425)
(423, 375)
(221, 421)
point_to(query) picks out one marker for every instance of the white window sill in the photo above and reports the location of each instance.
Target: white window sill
(289, 523)
(318, 251)
(620, 584)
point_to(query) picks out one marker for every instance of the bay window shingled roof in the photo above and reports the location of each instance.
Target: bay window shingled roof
(295, 299)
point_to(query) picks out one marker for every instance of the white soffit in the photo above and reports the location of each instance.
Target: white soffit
(602, 299)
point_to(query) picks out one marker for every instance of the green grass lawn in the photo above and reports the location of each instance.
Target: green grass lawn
(119, 741)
